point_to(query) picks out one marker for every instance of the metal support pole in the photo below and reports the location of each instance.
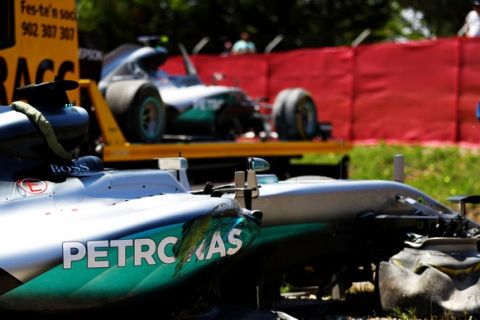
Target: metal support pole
(398, 168)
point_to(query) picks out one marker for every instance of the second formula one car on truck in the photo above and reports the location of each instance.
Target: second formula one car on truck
(77, 236)
(152, 105)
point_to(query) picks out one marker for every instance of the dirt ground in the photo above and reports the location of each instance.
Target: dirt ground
(360, 306)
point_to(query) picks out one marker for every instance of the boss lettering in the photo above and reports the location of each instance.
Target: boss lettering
(69, 168)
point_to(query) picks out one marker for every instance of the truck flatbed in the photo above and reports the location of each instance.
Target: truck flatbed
(118, 149)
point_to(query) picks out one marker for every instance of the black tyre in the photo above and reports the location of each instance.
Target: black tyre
(138, 108)
(278, 112)
(295, 115)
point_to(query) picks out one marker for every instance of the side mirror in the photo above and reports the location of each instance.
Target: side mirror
(258, 164)
(252, 191)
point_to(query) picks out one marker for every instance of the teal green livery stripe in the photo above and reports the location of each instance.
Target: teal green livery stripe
(152, 260)
(107, 284)
(283, 232)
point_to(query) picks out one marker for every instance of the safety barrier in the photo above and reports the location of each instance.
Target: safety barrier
(419, 91)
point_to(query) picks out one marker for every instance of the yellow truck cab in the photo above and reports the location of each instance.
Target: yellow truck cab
(39, 43)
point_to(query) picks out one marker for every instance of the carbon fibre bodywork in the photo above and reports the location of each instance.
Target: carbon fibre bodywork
(330, 233)
(108, 236)
(74, 235)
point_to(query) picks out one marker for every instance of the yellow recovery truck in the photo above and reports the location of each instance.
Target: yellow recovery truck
(39, 42)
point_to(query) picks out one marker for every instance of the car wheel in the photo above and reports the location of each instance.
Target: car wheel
(295, 115)
(139, 109)
(278, 112)
(437, 277)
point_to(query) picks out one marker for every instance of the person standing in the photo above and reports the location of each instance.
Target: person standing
(244, 45)
(227, 48)
(472, 21)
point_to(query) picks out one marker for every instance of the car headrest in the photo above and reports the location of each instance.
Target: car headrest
(46, 95)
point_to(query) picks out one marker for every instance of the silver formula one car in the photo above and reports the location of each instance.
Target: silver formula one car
(152, 105)
(77, 236)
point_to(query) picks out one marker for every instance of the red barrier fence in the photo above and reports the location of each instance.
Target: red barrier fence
(422, 91)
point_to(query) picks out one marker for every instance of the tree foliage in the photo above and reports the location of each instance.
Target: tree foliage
(303, 23)
(443, 17)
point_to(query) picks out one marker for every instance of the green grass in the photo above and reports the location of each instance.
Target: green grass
(410, 314)
(438, 171)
